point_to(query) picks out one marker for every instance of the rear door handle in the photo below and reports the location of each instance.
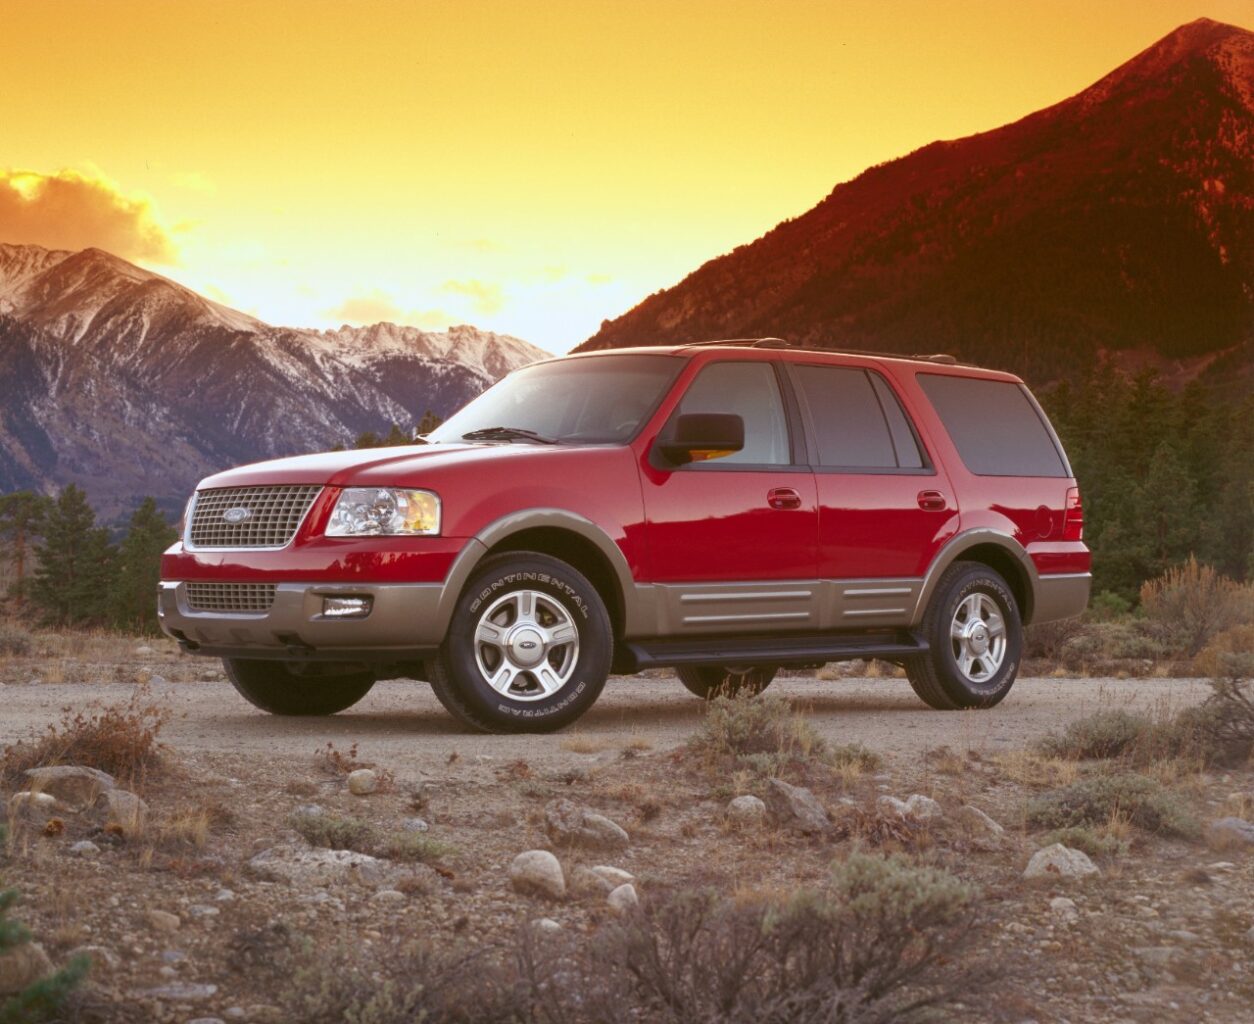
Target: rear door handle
(932, 501)
(783, 498)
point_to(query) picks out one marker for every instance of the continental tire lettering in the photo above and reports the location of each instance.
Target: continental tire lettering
(530, 712)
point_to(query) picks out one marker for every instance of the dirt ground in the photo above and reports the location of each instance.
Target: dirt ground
(182, 925)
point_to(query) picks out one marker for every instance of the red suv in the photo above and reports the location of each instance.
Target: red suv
(723, 509)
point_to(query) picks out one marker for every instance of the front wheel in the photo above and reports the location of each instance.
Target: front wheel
(272, 686)
(529, 647)
(710, 681)
(975, 640)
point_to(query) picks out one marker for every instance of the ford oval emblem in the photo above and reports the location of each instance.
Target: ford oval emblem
(237, 515)
(528, 645)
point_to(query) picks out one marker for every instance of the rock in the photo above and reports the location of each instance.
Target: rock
(32, 805)
(1249, 936)
(624, 900)
(388, 896)
(1058, 861)
(76, 787)
(546, 925)
(613, 877)
(207, 1020)
(978, 821)
(414, 825)
(916, 808)
(317, 868)
(198, 910)
(143, 649)
(163, 921)
(585, 882)
(796, 807)
(224, 896)
(1064, 909)
(310, 811)
(746, 810)
(362, 782)
(180, 992)
(538, 872)
(128, 814)
(85, 848)
(22, 966)
(1231, 832)
(567, 822)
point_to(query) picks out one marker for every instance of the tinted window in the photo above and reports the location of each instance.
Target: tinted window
(855, 419)
(994, 425)
(751, 392)
(590, 400)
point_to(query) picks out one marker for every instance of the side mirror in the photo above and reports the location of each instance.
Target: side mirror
(698, 436)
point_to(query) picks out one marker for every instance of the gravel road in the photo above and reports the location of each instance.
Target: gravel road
(402, 725)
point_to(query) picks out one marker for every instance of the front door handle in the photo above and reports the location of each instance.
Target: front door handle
(783, 498)
(932, 501)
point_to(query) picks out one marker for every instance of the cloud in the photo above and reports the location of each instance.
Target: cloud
(69, 210)
(376, 306)
(486, 298)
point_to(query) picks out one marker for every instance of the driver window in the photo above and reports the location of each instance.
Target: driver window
(751, 391)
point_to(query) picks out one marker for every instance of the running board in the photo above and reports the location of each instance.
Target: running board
(810, 649)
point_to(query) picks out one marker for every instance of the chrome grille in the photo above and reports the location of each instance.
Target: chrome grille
(230, 597)
(275, 513)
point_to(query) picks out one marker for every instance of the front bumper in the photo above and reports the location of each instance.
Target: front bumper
(404, 624)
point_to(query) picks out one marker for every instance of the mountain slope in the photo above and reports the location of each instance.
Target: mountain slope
(128, 384)
(1122, 218)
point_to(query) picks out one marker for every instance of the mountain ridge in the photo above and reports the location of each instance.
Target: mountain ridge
(129, 384)
(1118, 219)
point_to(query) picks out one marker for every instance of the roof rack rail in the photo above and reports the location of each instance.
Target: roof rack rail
(941, 358)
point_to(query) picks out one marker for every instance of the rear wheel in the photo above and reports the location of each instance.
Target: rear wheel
(273, 686)
(975, 637)
(710, 681)
(529, 647)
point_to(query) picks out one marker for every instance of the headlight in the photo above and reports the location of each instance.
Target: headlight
(375, 511)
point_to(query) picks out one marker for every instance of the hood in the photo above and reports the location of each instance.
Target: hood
(375, 467)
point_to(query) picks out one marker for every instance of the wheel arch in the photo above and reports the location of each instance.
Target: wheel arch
(574, 539)
(1000, 552)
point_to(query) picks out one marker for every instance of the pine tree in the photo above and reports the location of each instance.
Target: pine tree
(139, 568)
(428, 423)
(396, 437)
(75, 576)
(21, 516)
(367, 439)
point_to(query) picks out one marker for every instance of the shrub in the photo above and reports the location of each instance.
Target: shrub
(1110, 641)
(44, 999)
(1216, 659)
(1101, 735)
(333, 832)
(762, 734)
(1096, 842)
(852, 755)
(121, 739)
(1049, 639)
(1098, 799)
(1108, 606)
(14, 640)
(410, 847)
(1192, 603)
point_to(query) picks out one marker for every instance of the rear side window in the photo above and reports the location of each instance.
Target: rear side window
(855, 419)
(995, 425)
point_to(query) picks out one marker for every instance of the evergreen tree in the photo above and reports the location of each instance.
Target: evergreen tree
(21, 518)
(396, 437)
(428, 423)
(139, 568)
(367, 439)
(75, 576)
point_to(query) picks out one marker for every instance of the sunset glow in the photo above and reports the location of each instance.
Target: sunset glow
(531, 168)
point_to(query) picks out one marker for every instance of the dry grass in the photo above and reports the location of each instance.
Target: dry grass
(339, 832)
(121, 739)
(581, 743)
(1031, 769)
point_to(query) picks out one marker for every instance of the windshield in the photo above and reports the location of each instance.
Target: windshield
(595, 400)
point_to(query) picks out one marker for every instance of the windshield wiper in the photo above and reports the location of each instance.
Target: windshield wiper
(507, 434)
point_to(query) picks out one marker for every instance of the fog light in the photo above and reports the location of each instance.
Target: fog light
(346, 607)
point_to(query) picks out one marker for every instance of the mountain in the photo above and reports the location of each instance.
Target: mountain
(1121, 219)
(128, 384)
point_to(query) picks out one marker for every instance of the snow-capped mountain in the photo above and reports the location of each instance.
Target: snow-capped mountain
(129, 384)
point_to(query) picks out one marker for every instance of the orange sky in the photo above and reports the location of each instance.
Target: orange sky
(529, 167)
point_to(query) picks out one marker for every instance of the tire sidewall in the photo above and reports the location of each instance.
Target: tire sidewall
(966, 692)
(586, 609)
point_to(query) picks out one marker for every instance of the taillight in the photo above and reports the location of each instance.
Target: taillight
(1073, 517)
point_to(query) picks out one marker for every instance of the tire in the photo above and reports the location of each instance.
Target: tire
(975, 636)
(528, 649)
(710, 681)
(272, 686)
